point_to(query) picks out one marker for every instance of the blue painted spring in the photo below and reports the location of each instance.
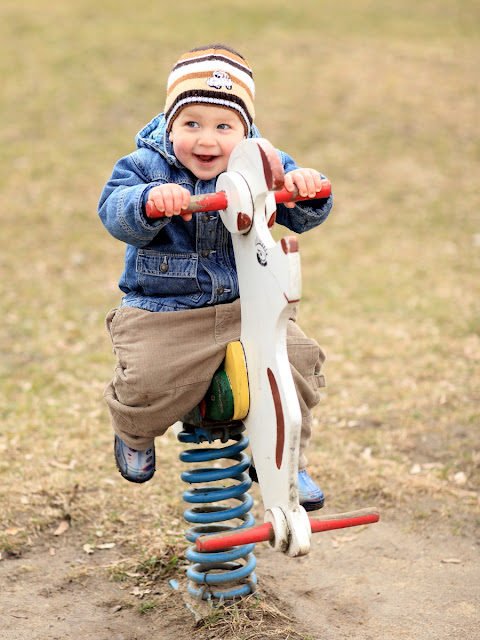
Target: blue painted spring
(223, 575)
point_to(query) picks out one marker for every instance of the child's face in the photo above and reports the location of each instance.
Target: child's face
(204, 137)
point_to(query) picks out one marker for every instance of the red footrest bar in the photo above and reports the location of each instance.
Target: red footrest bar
(344, 520)
(264, 532)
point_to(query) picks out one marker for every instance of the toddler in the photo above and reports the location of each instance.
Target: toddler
(181, 305)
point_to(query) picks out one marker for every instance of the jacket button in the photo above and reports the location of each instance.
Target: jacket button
(220, 290)
(164, 267)
(205, 253)
(205, 217)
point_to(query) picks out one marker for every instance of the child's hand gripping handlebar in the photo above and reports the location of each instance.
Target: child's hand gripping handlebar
(219, 201)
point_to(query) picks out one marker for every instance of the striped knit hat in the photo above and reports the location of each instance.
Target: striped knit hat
(215, 75)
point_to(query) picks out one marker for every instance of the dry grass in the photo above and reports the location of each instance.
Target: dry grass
(383, 98)
(252, 618)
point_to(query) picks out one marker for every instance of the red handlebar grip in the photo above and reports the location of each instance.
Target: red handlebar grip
(293, 196)
(208, 202)
(218, 201)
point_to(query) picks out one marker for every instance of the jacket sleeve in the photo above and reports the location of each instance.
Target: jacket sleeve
(302, 217)
(122, 204)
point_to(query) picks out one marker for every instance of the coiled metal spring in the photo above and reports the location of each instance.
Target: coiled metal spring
(227, 574)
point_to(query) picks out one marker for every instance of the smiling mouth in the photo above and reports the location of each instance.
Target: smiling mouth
(205, 159)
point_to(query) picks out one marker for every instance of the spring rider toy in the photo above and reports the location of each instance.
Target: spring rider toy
(253, 392)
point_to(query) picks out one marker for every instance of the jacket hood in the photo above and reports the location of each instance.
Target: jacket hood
(154, 136)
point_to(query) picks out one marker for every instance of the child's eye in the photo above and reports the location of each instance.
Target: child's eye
(192, 124)
(223, 126)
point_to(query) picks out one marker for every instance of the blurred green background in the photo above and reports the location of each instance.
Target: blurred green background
(380, 96)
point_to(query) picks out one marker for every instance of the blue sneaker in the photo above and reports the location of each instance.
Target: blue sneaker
(135, 466)
(310, 496)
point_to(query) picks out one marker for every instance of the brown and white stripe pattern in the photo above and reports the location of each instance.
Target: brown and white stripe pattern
(215, 75)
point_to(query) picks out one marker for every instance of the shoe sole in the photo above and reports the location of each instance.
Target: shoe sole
(136, 480)
(122, 473)
(313, 506)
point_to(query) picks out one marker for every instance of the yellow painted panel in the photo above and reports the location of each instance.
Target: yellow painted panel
(236, 370)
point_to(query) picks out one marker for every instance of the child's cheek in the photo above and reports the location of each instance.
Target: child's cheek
(181, 149)
(231, 146)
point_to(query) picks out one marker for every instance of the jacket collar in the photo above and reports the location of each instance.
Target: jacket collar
(154, 136)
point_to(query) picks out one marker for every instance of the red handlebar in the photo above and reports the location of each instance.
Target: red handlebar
(218, 201)
(264, 532)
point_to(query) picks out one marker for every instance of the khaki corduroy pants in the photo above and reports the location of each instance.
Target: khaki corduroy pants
(166, 361)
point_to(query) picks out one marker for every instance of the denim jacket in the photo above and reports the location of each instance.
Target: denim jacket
(171, 264)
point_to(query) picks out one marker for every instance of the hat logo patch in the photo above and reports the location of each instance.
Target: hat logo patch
(219, 80)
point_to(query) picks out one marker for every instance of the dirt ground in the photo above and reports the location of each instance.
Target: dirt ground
(381, 582)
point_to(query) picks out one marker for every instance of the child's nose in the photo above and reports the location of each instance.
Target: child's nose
(207, 138)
